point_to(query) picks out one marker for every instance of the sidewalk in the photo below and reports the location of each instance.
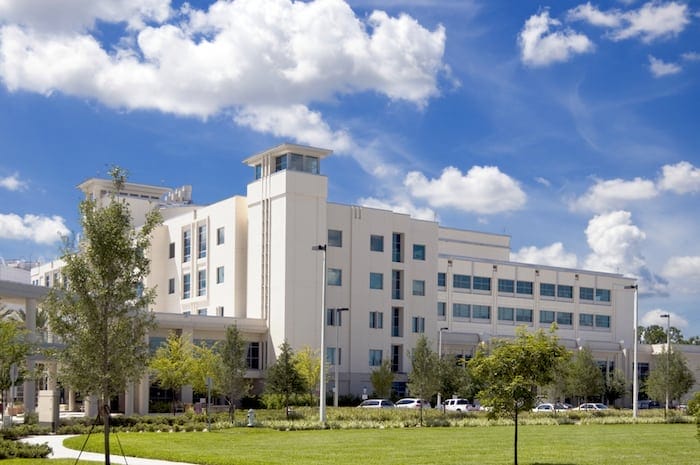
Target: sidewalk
(55, 442)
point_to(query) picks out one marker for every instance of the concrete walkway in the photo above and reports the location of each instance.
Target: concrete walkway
(55, 442)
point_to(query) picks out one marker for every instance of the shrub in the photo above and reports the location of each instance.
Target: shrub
(20, 450)
(694, 405)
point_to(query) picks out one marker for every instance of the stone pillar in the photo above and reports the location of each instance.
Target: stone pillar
(144, 388)
(71, 401)
(30, 389)
(129, 400)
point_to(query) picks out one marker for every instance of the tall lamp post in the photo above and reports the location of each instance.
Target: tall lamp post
(635, 377)
(336, 362)
(668, 357)
(322, 382)
(439, 398)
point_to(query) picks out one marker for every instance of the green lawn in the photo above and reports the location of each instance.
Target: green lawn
(637, 444)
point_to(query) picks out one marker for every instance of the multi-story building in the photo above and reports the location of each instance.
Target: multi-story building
(271, 260)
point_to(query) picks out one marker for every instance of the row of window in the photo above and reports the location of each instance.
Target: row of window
(510, 286)
(201, 283)
(201, 243)
(376, 356)
(376, 244)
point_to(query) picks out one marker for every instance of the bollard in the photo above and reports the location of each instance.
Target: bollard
(251, 417)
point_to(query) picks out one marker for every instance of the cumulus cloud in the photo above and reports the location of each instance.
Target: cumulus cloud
(606, 195)
(540, 46)
(660, 68)
(653, 317)
(399, 206)
(242, 57)
(13, 183)
(691, 56)
(681, 178)
(39, 229)
(552, 255)
(483, 189)
(653, 20)
(683, 273)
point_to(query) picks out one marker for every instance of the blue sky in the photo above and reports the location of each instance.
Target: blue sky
(570, 126)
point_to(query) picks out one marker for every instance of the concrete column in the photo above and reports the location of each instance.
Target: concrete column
(71, 401)
(143, 393)
(29, 386)
(129, 400)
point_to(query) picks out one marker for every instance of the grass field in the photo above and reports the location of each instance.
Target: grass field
(637, 444)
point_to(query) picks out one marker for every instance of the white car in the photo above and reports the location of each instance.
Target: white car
(376, 403)
(457, 405)
(412, 402)
(592, 406)
(551, 408)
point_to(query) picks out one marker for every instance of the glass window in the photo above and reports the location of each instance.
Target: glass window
(331, 355)
(482, 312)
(219, 275)
(396, 322)
(397, 248)
(171, 250)
(524, 287)
(334, 277)
(376, 243)
(252, 359)
(202, 282)
(565, 291)
(506, 313)
(460, 310)
(376, 281)
(281, 163)
(441, 279)
(258, 171)
(602, 295)
(220, 236)
(335, 238)
(296, 162)
(418, 287)
(546, 290)
(376, 320)
(375, 357)
(602, 321)
(202, 311)
(481, 283)
(171, 286)
(418, 252)
(506, 285)
(334, 317)
(523, 315)
(546, 316)
(396, 284)
(461, 281)
(441, 309)
(585, 319)
(565, 318)
(202, 241)
(311, 164)
(585, 293)
(418, 324)
(186, 245)
(186, 286)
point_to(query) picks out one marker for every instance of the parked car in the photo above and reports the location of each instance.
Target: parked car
(645, 404)
(412, 402)
(457, 405)
(551, 408)
(376, 403)
(592, 406)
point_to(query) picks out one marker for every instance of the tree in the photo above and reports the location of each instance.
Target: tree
(615, 385)
(41, 322)
(231, 374)
(283, 378)
(308, 364)
(173, 364)
(424, 379)
(512, 371)
(455, 379)
(585, 378)
(670, 372)
(656, 334)
(206, 361)
(382, 378)
(102, 314)
(14, 348)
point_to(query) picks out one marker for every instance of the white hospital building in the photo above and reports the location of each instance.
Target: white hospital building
(255, 261)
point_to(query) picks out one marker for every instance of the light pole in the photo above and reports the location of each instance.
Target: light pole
(635, 378)
(439, 399)
(336, 362)
(322, 382)
(668, 357)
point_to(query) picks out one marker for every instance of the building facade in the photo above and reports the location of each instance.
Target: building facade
(283, 263)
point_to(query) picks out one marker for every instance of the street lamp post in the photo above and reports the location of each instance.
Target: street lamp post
(635, 377)
(322, 382)
(668, 357)
(336, 362)
(439, 398)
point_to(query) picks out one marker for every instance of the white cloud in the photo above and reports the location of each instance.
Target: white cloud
(399, 206)
(660, 68)
(541, 47)
(40, 229)
(552, 255)
(484, 189)
(241, 57)
(653, 20)
(691, 56)
(13, 183)
(683, 273)
(653, 317)
(681, 178)
(614, 193)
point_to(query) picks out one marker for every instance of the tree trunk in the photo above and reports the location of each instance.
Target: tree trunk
(515, 439)
(105, 420)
